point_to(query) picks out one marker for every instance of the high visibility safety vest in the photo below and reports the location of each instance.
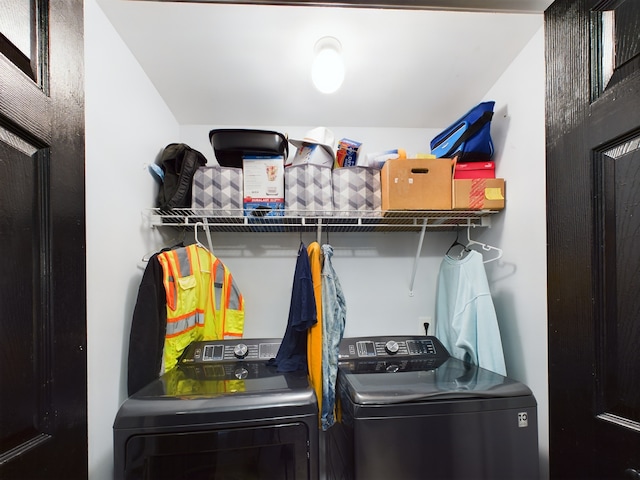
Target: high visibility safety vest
(203, 301)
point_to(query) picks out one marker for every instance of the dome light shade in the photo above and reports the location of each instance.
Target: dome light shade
(327, 71)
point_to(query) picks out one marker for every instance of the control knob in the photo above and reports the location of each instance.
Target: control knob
(241, 373)
(240, 350)
(391, 347)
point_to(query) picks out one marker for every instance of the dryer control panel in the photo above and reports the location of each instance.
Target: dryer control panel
(243, 349)
(392, 346)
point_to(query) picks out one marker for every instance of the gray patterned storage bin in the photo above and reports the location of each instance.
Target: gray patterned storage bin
(218, 189)
(307, 190)
(357, 191)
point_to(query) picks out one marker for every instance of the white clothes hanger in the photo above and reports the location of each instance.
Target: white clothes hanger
(195, 233)
(484, 246)
(205, 227)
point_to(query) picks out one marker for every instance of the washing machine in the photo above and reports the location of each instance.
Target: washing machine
(409, 410)
(222, 413)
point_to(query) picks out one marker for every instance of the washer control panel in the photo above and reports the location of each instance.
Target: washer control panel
(243, 349)
(391, 346)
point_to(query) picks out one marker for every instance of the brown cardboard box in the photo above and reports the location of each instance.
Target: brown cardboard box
(479, 194)
(416, 184)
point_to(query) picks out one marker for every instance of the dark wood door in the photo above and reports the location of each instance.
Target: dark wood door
(593, 208)
(43, 408)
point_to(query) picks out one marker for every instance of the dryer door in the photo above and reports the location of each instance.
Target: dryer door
(265, 452)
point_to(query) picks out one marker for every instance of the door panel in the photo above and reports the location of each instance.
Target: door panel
(43, 431)
(593, 204)
(20, 340)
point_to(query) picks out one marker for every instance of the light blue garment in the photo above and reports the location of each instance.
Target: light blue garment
(334, 314)
(466, 321)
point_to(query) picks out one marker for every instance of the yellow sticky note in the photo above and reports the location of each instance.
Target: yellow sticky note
(493, 193)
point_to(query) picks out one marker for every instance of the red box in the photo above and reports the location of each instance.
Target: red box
(474, 170)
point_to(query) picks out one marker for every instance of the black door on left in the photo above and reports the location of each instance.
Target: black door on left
(43, 407)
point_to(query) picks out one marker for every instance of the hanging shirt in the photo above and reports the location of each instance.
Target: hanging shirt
(466, 321)
(314, 338)
(334, 314)
(292, 354)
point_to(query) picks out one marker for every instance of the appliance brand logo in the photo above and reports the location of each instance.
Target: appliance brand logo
(523, 420)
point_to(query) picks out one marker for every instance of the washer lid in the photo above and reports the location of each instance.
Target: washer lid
(205, 394)
(393, 381)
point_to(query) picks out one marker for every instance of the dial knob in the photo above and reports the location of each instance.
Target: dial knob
(391, 347)
(240, 350)
(241, 373)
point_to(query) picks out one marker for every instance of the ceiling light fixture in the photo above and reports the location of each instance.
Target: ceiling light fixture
(327, 71)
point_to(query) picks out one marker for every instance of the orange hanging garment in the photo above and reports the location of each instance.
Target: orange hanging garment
(314, 338)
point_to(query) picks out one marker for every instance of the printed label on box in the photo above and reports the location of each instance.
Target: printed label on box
(263, 185)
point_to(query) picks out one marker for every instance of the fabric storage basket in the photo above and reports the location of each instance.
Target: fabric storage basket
(357, 190)
(218, 190)
(307, 190)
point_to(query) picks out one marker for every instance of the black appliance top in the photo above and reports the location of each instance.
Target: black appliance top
(404, 369)
(220, 380)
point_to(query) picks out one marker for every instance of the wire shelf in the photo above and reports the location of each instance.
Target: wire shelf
(308, 221)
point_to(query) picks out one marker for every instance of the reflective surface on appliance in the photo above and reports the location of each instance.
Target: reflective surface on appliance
(399, 369)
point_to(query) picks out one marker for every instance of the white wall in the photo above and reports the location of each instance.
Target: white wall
(519, 279)
(127, 126)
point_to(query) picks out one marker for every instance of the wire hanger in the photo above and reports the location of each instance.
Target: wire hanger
(484, 247)
(195, 233)
(456, 243)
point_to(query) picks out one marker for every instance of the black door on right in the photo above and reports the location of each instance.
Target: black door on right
(593, 229)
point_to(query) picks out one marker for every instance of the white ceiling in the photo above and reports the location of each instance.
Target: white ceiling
(249, 65)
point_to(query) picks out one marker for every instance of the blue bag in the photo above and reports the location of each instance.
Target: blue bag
(469, 138)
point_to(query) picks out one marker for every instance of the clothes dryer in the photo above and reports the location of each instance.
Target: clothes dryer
(222, 413)
(408, 410)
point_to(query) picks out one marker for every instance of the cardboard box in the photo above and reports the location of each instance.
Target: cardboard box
(416, 184)
(263, 185)
(218, 189)
(474, 170)
(357, 190)
(308, 190)
(479, 194)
